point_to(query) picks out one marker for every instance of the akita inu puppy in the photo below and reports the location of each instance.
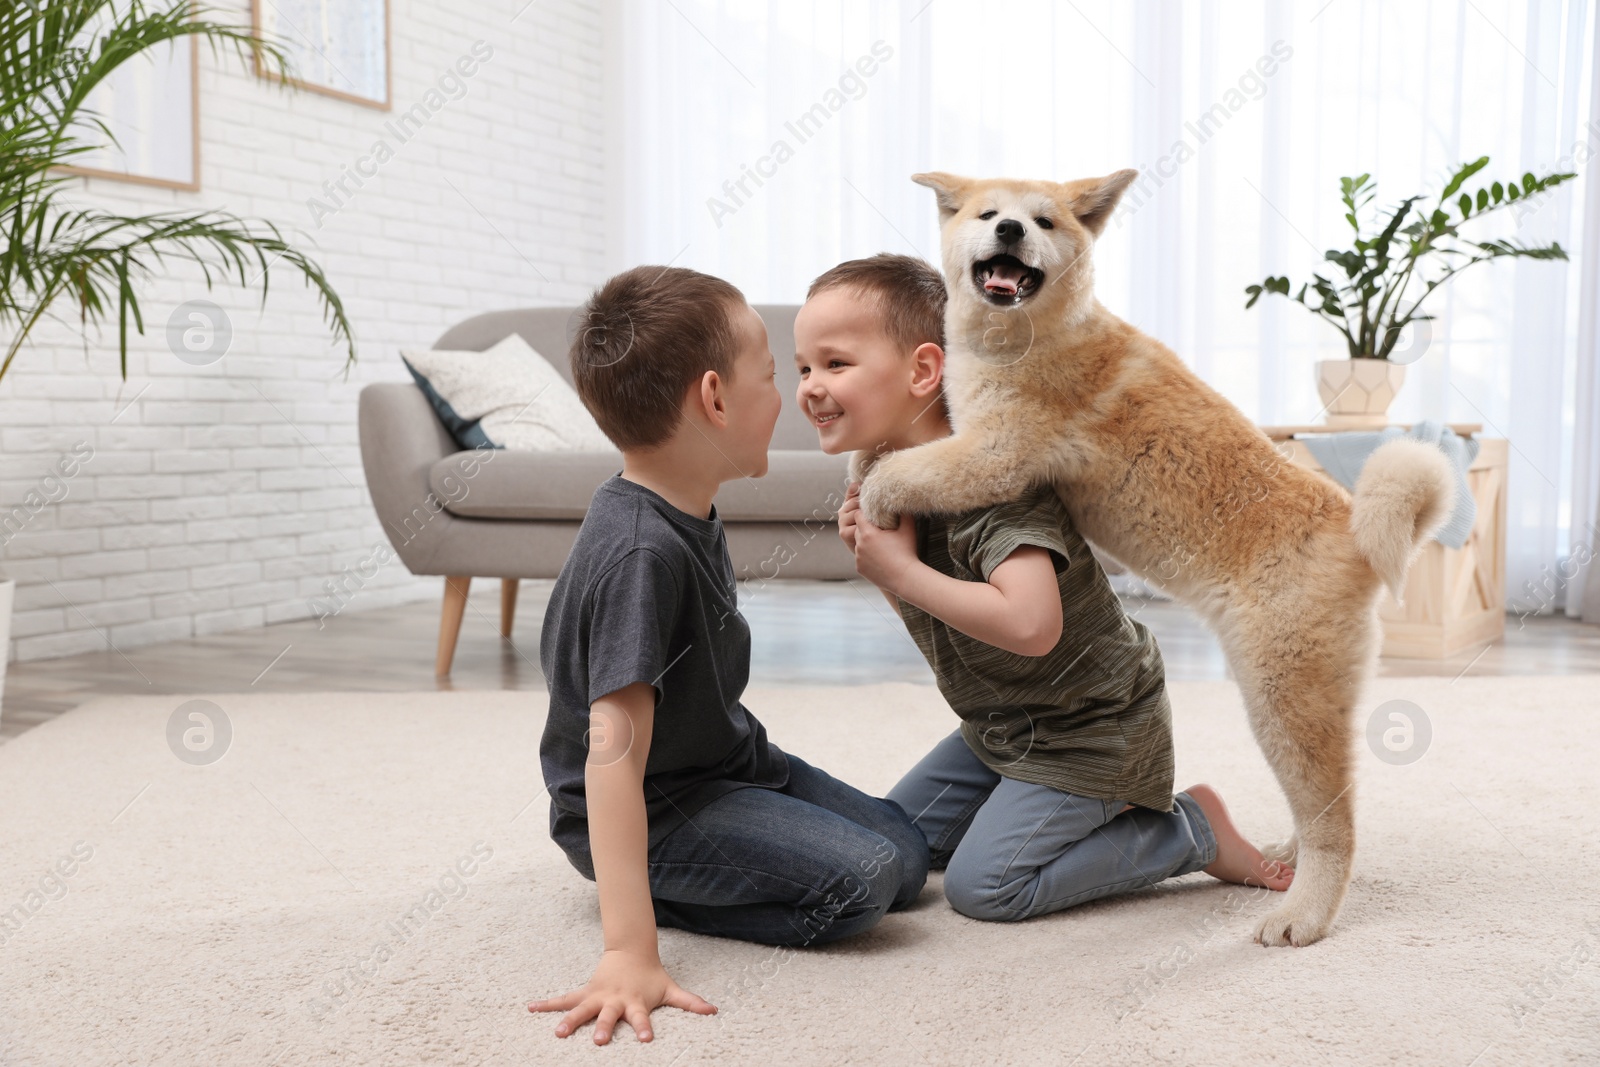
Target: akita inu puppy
(1045, 385)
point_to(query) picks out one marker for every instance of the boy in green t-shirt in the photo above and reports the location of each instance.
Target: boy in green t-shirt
(1057, 787)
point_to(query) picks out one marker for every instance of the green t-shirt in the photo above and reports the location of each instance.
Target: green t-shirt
(1091, 717)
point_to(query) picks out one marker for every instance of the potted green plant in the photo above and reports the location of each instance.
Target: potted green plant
(53, 54)
(1377, 297)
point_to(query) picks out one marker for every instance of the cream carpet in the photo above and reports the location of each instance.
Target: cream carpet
(253, 911)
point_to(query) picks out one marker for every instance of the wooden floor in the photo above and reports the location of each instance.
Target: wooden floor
(804, 633)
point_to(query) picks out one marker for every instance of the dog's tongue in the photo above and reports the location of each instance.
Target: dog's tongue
(1004, 278)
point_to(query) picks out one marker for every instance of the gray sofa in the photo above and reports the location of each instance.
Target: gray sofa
(515, 516)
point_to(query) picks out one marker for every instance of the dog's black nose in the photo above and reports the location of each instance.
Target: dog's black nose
(1009, 231)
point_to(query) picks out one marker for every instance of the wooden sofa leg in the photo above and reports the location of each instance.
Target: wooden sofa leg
(455, 606)
(508, 604)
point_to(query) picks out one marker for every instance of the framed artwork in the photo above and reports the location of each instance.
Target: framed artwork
(339, 47)
(150, 105)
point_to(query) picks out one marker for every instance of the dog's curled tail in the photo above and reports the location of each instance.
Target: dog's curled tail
(1404, 494)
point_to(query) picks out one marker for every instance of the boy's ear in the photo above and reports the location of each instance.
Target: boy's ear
(950, 190)
(927, 370)
(1092, 200)
(709, 396)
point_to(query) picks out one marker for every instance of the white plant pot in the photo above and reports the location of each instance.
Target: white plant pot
(8, 591)
(1357, 392)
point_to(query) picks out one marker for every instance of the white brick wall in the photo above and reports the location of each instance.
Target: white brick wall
(225, 496)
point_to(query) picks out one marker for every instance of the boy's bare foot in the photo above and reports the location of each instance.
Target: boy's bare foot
(1237, 859)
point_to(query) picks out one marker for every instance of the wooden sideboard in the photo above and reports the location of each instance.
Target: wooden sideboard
(1455, 598)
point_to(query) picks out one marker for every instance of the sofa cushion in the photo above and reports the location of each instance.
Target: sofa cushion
(798, 485)
(508, 396)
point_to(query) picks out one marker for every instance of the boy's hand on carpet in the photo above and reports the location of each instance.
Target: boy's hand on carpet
(625, 986)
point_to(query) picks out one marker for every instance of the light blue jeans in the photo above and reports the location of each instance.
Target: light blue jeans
(1014, 850)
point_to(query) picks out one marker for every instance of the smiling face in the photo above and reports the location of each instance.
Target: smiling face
(858, 387)
(1011, 243)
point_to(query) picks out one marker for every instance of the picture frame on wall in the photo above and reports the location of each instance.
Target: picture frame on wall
(339, 48)
(152, 108)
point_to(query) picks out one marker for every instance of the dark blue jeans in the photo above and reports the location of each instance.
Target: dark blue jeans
(812, 862)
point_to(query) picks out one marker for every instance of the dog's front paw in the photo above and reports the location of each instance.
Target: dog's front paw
(877, 503)
(861, 463)
(904, 483)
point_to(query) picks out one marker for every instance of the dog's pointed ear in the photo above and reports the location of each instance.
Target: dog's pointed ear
(950, 190)
(1094, 199)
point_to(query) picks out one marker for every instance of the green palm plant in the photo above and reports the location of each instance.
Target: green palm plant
(53, 54)
(1373, 303)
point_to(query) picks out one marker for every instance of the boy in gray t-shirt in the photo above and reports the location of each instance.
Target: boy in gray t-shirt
(663, 787)
(648, 594)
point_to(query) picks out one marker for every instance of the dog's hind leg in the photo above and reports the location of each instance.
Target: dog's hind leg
(1300, 692)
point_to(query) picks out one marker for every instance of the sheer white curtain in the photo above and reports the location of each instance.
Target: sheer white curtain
(1581, 562)
(766, 141)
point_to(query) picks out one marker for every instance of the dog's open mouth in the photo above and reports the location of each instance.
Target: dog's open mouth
(1005, 279)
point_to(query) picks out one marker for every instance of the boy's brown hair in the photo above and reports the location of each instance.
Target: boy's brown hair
(642, 339)
(909, 294)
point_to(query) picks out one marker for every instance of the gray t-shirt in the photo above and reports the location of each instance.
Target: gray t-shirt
(648, 595)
